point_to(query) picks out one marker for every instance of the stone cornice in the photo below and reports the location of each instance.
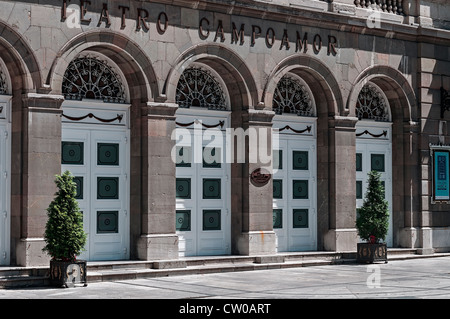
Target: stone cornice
(308, 16)
(43, 102)
(258, 117)
(343, 123)
(160, 110)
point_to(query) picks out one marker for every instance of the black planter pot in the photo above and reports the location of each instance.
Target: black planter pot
(370, 253)
(67, 273)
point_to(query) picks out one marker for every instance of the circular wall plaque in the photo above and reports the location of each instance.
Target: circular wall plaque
(260, 178)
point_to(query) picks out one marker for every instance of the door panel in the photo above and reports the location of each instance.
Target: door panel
(98, 160)
(374, 154)
(202, 192)
(4, 195)
(294, 192)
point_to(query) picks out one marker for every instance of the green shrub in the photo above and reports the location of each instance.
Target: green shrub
(64, 235)
(372, 221)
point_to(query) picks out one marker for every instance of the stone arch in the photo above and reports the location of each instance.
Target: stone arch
(129, 58)
(231, 68)
(405, 160)
(398, 91)
(142, 88)
(25, 78)
(328, 102)
(319, 78)
(20, 61)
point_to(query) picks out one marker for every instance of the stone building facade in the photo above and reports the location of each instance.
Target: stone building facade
(125, 94)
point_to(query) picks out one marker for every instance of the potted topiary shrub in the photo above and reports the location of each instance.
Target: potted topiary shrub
(64, 235)
(372, 222)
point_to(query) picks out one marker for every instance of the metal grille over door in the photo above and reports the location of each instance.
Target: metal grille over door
(371, 104)
(90, 78)
(198, 88)
(292, 96)
(3, 82)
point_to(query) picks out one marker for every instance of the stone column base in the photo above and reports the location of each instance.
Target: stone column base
(29, 253)
(409, 237)
(257, 243)
(157, 247)
(341, 239)
(426, 240)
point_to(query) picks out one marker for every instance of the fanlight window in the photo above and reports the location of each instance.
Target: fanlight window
(372, 104)
(291, 96)
(198, 88)
(88, 77)
(3, 83)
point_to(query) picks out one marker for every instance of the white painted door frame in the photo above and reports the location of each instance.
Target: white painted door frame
(374, 139)
(196, 235)
(5, 179)
(292, 201)
(103, 243)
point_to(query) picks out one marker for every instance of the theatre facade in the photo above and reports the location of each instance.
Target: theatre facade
(223, 128)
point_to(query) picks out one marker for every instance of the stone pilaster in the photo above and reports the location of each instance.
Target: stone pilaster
(158, 238)
(407, 203)
(342, 234)
(41, 161)
(255, 216)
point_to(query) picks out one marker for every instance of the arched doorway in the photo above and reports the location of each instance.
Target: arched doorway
(374, 144)
(95, 148)
(294, 176)
(203, 216)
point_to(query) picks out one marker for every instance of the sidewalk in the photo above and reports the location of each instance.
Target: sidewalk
(414, 278)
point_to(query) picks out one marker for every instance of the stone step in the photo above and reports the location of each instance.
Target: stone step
(23, 281)
(133, 273)
(126, 270)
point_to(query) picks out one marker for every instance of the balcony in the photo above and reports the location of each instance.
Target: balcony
(387, 6)
(425, 13)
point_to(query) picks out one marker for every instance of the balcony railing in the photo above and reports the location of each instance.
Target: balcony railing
(388, 6)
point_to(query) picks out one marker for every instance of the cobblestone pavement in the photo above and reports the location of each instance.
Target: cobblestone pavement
(416, 278)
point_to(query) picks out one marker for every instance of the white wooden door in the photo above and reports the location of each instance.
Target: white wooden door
(203, 220)
(374, 152)
(5, 180)
(98, 158)
(294, 187)
(4, 194)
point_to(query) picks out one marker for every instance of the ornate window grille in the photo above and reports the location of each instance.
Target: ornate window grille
(372, 104)
(198, 88)
(3, 82)
(291, 96)
(88, 77)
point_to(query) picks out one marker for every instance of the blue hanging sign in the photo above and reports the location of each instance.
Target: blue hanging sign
(441, 175)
